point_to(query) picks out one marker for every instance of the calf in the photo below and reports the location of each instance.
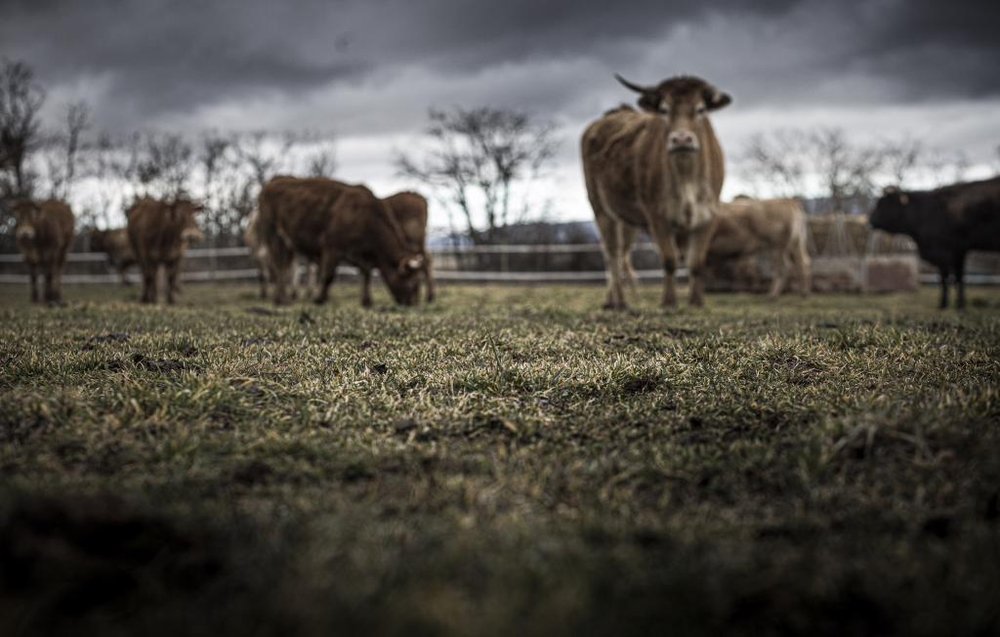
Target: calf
(43, 231)
(410, 211)
(329, 221)
(776, 226)
(945, 223)
(158, 232)
(116, 245)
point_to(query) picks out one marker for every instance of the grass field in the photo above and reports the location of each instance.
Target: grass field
(507, 460)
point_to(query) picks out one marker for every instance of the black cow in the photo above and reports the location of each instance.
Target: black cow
(946, 224)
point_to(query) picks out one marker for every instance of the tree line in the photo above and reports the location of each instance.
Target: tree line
(478, 164)
(837, 174)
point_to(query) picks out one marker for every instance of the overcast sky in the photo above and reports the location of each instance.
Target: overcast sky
(368, 70)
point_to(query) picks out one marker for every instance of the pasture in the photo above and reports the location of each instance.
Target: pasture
(506, 460)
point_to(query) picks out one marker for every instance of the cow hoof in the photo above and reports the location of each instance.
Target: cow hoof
(618, 307)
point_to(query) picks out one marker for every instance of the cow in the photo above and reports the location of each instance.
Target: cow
(329, 221)
(945, 223)
(659, 169)
(748, 226)
(265, 274)
(43, 231)
(159, 232)
(410, 211)
(115, 244)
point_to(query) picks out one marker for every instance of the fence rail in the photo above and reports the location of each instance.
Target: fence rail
(448, 266)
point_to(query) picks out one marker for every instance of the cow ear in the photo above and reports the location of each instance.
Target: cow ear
(651, 102)
(716, 99)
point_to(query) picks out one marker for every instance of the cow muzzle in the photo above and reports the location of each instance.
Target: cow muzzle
(25, 233)
(682, 142)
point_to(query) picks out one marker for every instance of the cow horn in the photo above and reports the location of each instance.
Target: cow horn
(890, 190)
(631, 86)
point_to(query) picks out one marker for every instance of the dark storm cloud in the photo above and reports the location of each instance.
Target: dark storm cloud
(159, 58)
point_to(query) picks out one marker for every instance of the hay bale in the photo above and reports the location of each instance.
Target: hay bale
(896, 273)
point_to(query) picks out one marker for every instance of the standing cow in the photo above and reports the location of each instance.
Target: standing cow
(753, 226)
(659, 170)
(945, 224)
(159, 232)
(329, 221)
(43, 231)
(410, 211)
(116, 245)
(265, 272)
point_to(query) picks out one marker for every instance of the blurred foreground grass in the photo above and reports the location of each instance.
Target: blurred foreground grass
(506, 460)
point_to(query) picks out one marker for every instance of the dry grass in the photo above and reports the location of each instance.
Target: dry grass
(510, 459)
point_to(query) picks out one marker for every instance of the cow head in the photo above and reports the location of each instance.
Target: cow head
(26, 215)
(404, 280)
(684, 103)
(890, 211)
(184, 212)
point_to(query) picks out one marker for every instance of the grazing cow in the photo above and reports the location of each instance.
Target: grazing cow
(945, 223)
(116, 245)
(159, 232)
(43, 231)
(258, 250)
(329, 221)
(750, 226)
(660, 170)
(410, 211)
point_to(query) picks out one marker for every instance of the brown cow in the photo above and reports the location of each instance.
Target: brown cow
(660, 170)
(159, 232)
(751, 226)
(329, 221)
(116, 245)
(410, 211)
(44, 230)
(258, 250)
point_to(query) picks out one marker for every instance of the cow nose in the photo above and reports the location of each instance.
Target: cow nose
(682, 140)
(25, 233)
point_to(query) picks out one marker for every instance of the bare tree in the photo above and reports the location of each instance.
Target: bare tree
(901, 159)
(166, 168)
(477, 156)
(779, 161)
(846, 171)
(64, 146)
(322, 163)
(21, 100)
(262, 154)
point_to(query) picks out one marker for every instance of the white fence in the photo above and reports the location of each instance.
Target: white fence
(446, 266)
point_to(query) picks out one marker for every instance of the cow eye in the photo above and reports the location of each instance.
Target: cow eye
(700, 109)
(665, 107)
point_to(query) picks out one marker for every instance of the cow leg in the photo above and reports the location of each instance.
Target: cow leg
(327, 273)
(33, 281)
(428, 277)
(697, 253)
(778, 275)
(944, 286)
(149, 283)
(366, 287)
(282, 263)
(172, 268)
(800, 258)
(611, 244)
(960, 281)
(50, 290)
(627, 237)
